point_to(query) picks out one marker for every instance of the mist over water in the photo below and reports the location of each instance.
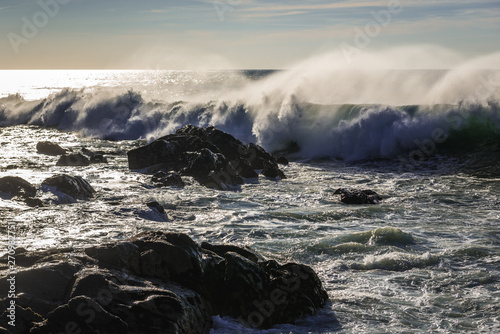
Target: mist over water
(376, 105)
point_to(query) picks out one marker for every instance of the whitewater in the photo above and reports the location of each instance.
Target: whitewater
(422, 134)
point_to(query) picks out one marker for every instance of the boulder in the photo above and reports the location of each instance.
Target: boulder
(95, 157)
(73, 160)
(282, 161)
(74, 186)
(16, 186)
(157, 206)
(49, 148)
(159, 282)
(352, 196)
(271, 169)
(167, 179)
(214, 158)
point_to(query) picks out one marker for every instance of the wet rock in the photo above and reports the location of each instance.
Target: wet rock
(167, 179)
(157, 206)
(160, 282)
(214, 158)
(16, 186)
(74, 186)
(271, 169)
(350, 196)
(73, 160)
(33, 202)
(282, 161)
(49, 148)
(98, 159)
(95, 157)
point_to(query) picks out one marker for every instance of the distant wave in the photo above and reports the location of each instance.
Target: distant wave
(349, 131)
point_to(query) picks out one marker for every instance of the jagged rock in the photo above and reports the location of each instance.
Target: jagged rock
(49, 148)
(282, 161)
(98, 159)
(169, 179)
(33, 202)
(157, 206)
(214, 158)
(159, 282)
(95, 157)
(74, 186)
(350, 196)
(16, 186)
(272, 170)
(73, 160)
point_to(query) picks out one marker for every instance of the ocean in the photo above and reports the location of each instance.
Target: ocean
(426, 259)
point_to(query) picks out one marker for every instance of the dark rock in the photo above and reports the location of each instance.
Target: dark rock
(272, 170)
(350, 196)
(16, 186)
(73, 160)
(214, 158)
(160, 282)
(157, 206)
(220, 180)
(81, 315)
(167, 179)
(95, 157)
(282, 161)
(201, 163)
(49, 148)
(256, 155)
(244, 168)
(33, 202)
(75, 187)
(98, 159)
(221, 250)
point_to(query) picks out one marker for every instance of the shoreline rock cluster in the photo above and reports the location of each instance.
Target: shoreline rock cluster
(17, 188)
(214, 158)
(157, 282)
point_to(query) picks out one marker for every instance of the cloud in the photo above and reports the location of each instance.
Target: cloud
(266, 15)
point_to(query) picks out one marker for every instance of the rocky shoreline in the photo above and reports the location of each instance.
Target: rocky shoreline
(156, 282)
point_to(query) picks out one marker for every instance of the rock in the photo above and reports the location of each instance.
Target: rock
(75, 187)
(221, 250)
(159, 282)
(272, 170)
(98, 159)
(33, 202)
(49, 148)
(350, 196)
(157, 206)
(16, 186)
(169, 179)
(95, 157)
(73, 160)
(282, 161)
(81, 315)
(214, 158)
(201, 163)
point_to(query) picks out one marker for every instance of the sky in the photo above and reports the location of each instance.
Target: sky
(249, 34)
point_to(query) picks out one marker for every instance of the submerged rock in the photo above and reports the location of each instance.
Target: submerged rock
(74, 186)
(214, 158)
(73, 160)
(95, 157)
(350, 196)
(158, 282)
(49, 148)
(16, 186)
(169, 179)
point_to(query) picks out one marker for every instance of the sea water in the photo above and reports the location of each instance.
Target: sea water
(426, 259)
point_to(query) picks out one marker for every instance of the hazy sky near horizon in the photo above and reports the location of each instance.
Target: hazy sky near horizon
(191, 34)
